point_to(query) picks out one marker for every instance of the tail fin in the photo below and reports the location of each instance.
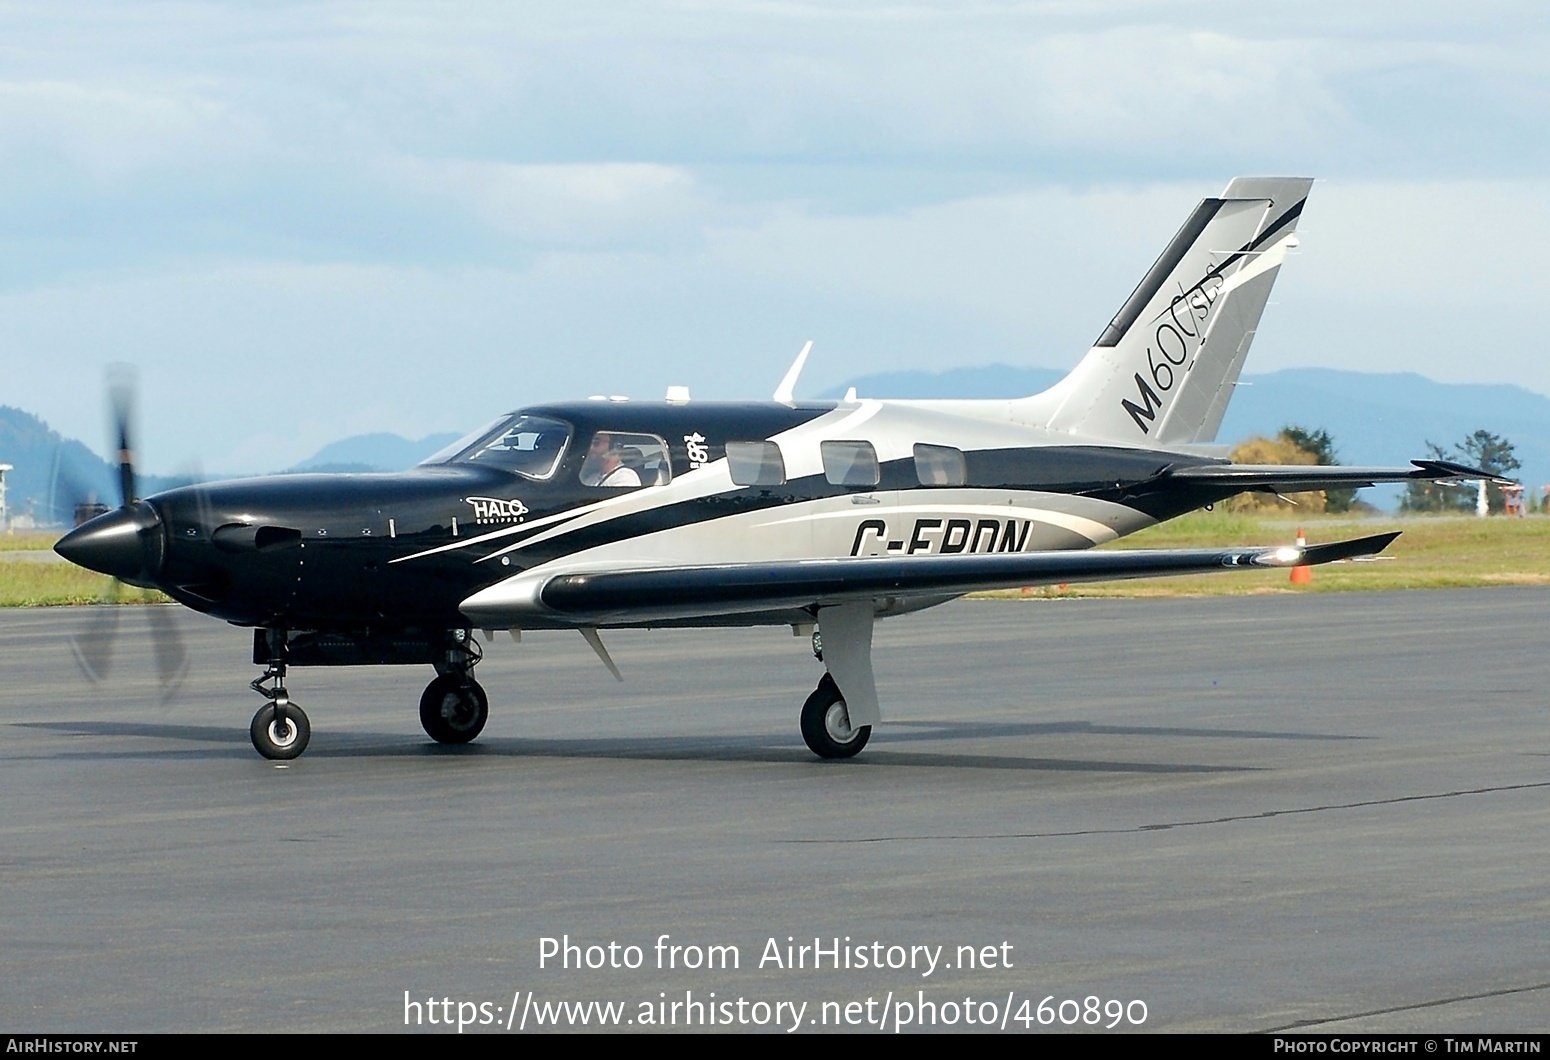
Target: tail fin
(1163, 370)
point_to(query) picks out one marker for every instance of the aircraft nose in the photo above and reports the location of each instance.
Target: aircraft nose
(122, 543)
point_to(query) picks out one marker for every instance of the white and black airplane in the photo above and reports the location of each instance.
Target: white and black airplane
(820, 515)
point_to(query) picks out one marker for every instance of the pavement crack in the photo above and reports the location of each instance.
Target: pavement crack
(1300, 1024)
(1261, 816)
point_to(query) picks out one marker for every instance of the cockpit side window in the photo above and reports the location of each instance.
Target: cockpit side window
(531, 446)
(617, 459)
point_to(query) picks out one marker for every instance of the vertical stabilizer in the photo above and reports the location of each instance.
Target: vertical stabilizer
(1163, 370)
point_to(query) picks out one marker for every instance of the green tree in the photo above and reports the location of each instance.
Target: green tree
(1482, 449)
(1319, 445)
(1490, 452)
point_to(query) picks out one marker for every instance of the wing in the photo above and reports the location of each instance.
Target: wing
(736, 588)
(1301, 479)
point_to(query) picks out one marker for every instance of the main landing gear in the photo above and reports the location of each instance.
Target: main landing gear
(453, 711)
(454, 708)
(832, 727)
(280, 731)
(826, 723)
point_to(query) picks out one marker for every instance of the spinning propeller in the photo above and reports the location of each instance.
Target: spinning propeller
(126, 544)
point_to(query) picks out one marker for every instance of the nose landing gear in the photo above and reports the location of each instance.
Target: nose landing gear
(280, 730)
(453, 709)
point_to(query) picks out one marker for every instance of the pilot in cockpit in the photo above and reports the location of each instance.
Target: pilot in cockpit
(605, 466)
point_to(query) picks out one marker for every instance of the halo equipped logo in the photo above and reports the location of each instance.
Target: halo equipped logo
(496, 510)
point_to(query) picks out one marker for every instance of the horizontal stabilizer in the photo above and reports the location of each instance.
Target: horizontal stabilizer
(740, 588)
(1447, 469)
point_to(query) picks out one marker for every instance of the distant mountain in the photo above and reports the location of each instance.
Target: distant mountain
(1374, 419)
(1388, 419)
(53, 474)
(374, 452)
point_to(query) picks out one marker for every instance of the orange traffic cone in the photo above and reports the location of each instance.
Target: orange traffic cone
(1302, 575)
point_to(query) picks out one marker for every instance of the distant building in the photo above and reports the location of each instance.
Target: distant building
(5, 514)
(85, 513)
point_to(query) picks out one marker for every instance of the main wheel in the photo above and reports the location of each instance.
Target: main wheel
(826, 723)
(452, 711)
(280, 733)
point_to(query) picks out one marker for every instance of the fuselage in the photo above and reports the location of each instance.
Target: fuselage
(824, 515)
(809, 480)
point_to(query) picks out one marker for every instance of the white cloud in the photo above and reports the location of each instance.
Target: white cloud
(1049, 265)
(570, 204)
(408, 215)
(1128, 85)
(1428, 243)
(110, 131)
(252, 366)
(1182, 92)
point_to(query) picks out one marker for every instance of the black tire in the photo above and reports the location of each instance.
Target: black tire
(280, 736)
(453, 712)
(826, 725)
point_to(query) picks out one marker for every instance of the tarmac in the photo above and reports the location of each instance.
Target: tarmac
(1279, 812)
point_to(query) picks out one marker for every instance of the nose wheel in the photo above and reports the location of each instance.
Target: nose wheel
(453, 709)
(826, 723)
(280, 730)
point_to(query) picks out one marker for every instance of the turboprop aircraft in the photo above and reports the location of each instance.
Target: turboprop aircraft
(819, 515)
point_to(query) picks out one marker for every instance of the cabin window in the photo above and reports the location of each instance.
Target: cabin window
(529, 445)
(940, 465)
(616, 459)
(756, 464)
(849, 463)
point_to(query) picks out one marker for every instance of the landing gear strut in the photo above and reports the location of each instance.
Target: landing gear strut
(280, 729)
(454, 708)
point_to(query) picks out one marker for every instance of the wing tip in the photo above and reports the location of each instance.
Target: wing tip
(1448, 469)
(1338, 550)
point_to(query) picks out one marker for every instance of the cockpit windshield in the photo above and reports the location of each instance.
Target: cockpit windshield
(529, 445)
(447, 452)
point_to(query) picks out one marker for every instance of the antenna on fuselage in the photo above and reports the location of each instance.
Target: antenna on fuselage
(788, 384)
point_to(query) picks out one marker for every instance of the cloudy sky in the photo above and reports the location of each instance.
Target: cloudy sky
(309, 220)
